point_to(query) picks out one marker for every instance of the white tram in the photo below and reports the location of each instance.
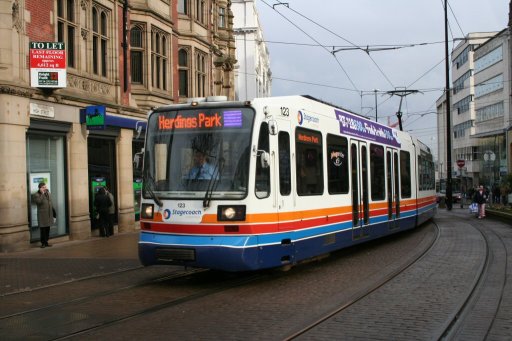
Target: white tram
(283, 179)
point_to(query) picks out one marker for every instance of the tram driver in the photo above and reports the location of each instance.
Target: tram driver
(201, 170)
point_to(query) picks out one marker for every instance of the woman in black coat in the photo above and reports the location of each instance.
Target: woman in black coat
(481, 199)
(102, 202)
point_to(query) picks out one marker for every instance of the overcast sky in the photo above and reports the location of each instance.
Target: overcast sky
(410, 34)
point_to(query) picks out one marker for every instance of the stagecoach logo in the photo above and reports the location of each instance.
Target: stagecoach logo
(167, 214)
(182, 215)
(337, 158)
(302, 118)
(371, 131)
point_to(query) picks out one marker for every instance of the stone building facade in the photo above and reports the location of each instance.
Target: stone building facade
(123, 57)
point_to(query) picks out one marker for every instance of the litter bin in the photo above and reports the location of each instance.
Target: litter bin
(442, 202)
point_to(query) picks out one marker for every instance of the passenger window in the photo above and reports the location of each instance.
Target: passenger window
(377, 172)
(405, 174)
(309, 162)
(337, 164)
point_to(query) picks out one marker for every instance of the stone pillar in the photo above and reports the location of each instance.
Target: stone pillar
(79, 218)
(126, 215)
(14, 122)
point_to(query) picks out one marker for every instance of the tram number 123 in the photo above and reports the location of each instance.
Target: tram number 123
(285, 111)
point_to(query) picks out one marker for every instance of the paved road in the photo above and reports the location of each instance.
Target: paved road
(420, 303)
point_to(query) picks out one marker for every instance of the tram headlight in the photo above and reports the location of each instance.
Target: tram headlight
(231, 212)
(146, 211)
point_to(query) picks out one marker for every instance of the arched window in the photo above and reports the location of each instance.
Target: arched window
(183, 69)
(159, 59)
(137, 54)
(67, 28)
(200, 75)
(100, 38)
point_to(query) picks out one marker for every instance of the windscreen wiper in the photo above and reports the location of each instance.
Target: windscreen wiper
(214, 181)
(149, 185)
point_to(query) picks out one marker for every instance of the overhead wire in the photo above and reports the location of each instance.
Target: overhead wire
(316, 41)
(348, 41)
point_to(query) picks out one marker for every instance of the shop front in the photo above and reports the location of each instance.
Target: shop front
(46, 162)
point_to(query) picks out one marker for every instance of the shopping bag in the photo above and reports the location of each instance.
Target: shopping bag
(473, 208)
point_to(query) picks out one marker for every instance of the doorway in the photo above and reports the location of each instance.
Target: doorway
(101, 153)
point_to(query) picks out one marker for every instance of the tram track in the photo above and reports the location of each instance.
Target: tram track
(388, 278)
(478, 306)
(74, 317)
(451, 310)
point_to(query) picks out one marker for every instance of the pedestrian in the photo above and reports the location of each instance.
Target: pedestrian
(102, 203)
(481, 199)
(111, 213)
(45, 212)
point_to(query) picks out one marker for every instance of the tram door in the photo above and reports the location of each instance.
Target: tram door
(284, 176)
(360, 190)
(393, 188)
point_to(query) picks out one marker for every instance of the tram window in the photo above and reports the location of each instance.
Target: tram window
(284, 163)
(337, 164)
(425, 172)
(262, 186)
(309, 162)
(405, 174)
(377, 172)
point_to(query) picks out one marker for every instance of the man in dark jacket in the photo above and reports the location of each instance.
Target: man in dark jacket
(43, 200)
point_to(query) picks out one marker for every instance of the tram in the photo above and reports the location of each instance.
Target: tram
(277, 181)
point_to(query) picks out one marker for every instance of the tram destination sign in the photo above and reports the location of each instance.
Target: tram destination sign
(47, 65)
(371, 131)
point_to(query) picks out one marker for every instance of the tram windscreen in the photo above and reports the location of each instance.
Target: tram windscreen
(191, 151)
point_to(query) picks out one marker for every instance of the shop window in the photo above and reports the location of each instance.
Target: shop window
(46, 163)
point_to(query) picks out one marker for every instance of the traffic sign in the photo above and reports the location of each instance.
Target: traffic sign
(461, 163)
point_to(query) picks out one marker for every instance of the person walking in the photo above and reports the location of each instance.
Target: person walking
(481, 199)
(45, 215)
(111, 212)
(102, 203)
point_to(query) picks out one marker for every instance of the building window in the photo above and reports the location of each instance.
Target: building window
(462, 58)
(66, 28)
(183, 68)
(159, 59)
(489, 59)
(490, 112)
(100, 40)
(137, 54)
(200, 11)
(463, 105)
(458, 85)
(200, 75)
(222, 17)
(183, 6)
(490, 85)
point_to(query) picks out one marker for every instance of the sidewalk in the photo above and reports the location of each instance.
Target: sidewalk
(67, 261)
